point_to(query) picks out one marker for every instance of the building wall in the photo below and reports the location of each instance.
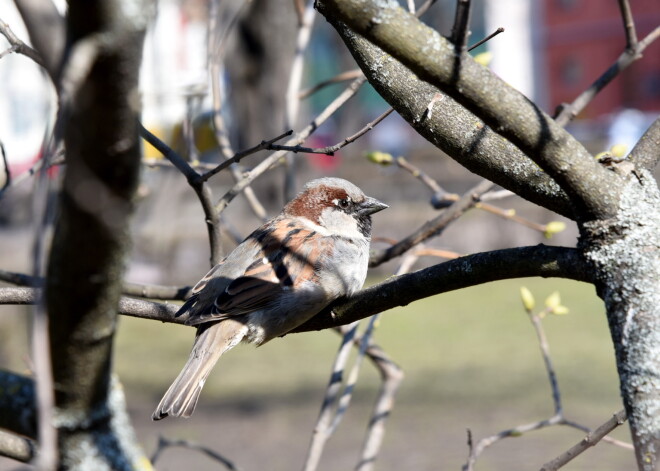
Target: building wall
(581, 38)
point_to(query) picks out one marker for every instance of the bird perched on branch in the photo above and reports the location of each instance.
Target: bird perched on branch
(314, 252)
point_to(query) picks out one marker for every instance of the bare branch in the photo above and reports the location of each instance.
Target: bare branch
(202, 190)
(238, 156)
(628, 24)
(164, 443)
(461, 29)
(270, 161)
(342, 77)
(46, 28)
(470, 270)
(487, 38)
(19, 46)
(646, 153)
(455, 130)
(462, 272)
(566, 112)
(16, 447)
(501, 107)
(434, 227)
(128, 289)
(590, 440)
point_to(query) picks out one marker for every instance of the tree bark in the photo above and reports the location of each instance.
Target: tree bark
(91, 233)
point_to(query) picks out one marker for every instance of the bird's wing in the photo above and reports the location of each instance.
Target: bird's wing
(284, 258)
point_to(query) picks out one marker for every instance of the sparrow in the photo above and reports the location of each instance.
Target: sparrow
(314, 252)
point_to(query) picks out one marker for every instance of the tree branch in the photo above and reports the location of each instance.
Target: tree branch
(470, 270)
(587, 442)
(507, 111)
(199, 186)
(566, 113)
(19, 46)
(646, 153)
(47, 32)
(16, 447)
(455, 130)
(434, 227)
(628, 24)
(462, 272)
(461, 29)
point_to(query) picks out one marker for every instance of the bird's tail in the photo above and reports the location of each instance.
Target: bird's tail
(210, 343)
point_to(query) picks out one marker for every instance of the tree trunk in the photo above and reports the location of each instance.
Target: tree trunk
(625, 254)
(91, 234)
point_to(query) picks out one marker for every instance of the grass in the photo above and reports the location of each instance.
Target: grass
(472, 344)
(471, 360)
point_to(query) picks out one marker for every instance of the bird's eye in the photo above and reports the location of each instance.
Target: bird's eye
(343, 204)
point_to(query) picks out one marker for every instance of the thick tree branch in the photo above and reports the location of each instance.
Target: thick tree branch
(453, 129)
(462, 272)
(432, 58)
(459, 273)
(646, 153)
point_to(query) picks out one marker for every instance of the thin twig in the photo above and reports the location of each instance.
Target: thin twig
(628, 24)
(321, 431)
(238, 156)
(557, 419)
(547, 360)
(164, 443)
(461, 29)
(566, 112)
(217, 41)
(590, 440)
(271, 160)
(19, 46)
(435, 226)
(486, 39)
(330, 150)
(293, 88)
(342, 77)
(199, 186)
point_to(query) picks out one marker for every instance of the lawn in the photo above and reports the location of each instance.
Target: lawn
(471, 360)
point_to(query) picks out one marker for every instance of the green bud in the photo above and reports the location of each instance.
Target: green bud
(553, 228)
(380, 158)
(527, 298)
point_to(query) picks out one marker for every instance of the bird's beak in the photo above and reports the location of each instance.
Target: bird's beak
(370, 206)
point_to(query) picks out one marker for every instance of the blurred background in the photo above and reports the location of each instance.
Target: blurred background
(470, 357)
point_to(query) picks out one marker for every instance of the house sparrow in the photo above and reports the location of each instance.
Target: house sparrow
(315, 251)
